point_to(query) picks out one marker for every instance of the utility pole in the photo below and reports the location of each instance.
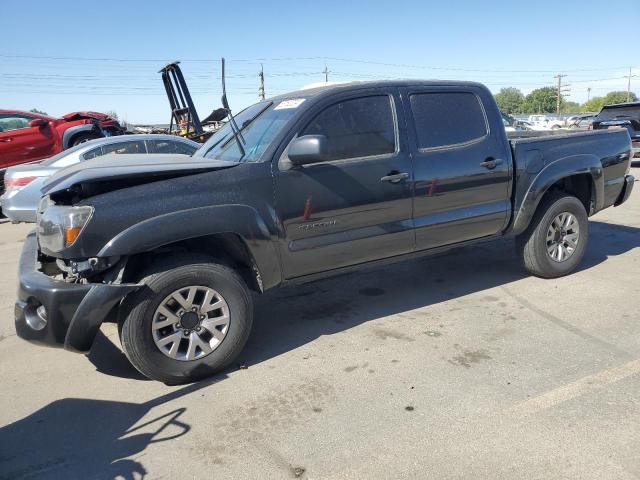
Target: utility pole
(261, 75)
(326, 73)
(559, 92)
(629, 84)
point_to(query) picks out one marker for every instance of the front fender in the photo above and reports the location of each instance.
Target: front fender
(70, 132)
(199, 222)
(552, 173)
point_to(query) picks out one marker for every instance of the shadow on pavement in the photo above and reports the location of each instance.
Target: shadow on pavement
(109, 359)
(79, 438)
(290, 317)
(294, 316)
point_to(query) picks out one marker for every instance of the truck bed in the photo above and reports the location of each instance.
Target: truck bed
(534, 151)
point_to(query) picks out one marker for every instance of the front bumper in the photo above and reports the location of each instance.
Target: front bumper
(627, 186)
(74, 311)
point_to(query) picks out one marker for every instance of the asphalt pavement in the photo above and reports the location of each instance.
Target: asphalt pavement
(450, 367)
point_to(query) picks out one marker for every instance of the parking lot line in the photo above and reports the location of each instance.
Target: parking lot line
(575, 389)
(566, 325)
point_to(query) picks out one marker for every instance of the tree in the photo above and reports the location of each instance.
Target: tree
(35, 110)
(571, 107)
(593, 105)
(596, 103)
(509, 99)
(541, 100)
(619, 97)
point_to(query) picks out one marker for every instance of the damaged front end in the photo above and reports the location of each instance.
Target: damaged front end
(59, 308)
(66, 289)
(62, 302)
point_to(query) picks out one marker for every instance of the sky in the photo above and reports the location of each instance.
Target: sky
(69, 55)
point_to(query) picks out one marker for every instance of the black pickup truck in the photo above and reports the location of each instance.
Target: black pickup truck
(621, 115)
(309, 184)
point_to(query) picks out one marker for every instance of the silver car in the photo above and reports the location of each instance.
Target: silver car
(23, 182)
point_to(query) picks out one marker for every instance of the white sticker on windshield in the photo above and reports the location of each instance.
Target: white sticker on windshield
(294, 103)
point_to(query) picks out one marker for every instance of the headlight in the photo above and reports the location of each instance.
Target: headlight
(59, 226)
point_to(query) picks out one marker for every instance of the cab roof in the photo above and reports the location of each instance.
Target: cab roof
(332, 88)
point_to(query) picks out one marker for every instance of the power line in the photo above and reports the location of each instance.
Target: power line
(322, 58)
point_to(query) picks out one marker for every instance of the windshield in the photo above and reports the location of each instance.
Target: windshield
(259, 124)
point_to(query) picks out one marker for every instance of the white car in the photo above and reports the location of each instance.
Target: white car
(23, 182)
(545, 122)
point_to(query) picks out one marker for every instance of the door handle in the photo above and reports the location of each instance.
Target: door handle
(395, 177)
(491, 163)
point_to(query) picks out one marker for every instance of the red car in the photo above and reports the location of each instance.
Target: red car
(28, 137)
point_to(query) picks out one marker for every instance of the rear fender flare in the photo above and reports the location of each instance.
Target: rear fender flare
(562, 168)
(200, 222)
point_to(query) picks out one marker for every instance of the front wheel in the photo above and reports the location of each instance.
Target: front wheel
(554, 243)
(83, 137)
(190, 320)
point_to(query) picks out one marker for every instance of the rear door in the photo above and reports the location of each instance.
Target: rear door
(21, 143)
(356, 206)
(462, 169)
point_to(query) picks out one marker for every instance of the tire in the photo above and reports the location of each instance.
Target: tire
(533, 245)
(83, 137)
(139, 310)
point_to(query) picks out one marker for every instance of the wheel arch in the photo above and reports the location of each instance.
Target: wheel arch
(233, 234)
(578, 175)
(70, 133)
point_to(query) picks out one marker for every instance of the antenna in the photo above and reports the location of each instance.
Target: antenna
(232, 121)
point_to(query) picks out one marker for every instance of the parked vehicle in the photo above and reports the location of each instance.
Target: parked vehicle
(544, 122)
(622, 115)
(28, 137)
(22, 183)
(512, 124)
(581, 122)
(317, 182)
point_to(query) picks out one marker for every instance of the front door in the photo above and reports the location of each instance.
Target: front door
(357, 205)
(462, 168)
(21, 143)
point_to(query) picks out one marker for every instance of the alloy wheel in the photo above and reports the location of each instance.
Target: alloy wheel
(190, 323)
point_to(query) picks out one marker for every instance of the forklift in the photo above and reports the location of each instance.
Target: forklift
(184, 117)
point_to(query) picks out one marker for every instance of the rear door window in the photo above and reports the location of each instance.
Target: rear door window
(447, 119)
(170, 146)
(136, 146)
(360, 127)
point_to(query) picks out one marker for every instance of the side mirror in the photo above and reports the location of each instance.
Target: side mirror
(38, 122)
(308, 149)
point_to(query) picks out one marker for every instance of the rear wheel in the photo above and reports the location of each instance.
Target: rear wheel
(190, 320)
(554, 243)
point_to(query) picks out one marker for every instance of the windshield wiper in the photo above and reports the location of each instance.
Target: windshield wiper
(246, 123)
(232, 122)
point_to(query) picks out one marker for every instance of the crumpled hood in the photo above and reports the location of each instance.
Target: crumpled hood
(112, 167)
(91, 115)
